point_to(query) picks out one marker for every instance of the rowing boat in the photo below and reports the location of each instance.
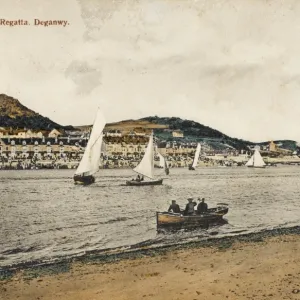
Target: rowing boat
(178, 220)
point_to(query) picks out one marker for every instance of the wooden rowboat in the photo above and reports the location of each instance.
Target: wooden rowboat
(176, 220)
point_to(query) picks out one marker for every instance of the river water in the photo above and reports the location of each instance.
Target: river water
(44, 216)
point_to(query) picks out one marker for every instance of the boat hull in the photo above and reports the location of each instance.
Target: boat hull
(179, 221)
(84, 180)
(191, 168)
(256, 167)
(144, 183)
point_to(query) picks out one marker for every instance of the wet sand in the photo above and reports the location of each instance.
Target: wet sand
(268, 269)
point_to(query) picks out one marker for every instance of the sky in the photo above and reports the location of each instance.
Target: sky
(232, 65)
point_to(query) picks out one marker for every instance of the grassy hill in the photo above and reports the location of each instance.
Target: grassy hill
(193, 132)
(197, 132)
(14, 114)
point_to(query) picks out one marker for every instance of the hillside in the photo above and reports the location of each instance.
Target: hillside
(285, 144)
(14, 114)
(127, 125)
(136, 123)
(194, 131)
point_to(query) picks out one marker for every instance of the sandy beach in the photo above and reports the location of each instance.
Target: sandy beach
(246, 270)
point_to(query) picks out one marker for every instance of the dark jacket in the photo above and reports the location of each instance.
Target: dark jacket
(189, 208)
(202, 207)
(175, 208)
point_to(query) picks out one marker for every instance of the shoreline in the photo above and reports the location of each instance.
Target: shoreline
(113, 255)
(215, 164)
(255, 266)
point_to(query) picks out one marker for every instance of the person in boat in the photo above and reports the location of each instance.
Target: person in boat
(202, 207)
(142, 178)
(138, 178)
(190, 207)
(174, 207)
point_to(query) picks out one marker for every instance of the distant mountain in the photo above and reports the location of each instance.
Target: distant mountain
(14, 114)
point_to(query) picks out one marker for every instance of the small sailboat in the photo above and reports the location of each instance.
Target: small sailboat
(90, 161)
(256, 161)
(196, 157)
(146, 168)
(162, 162)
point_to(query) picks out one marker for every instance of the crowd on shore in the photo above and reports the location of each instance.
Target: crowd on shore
(131, 162)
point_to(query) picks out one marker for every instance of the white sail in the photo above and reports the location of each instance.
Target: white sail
(256, 160)
(161, 160)
(103, 148)
(250, 161)
(146, 166)
(90, 161)
(196, 157)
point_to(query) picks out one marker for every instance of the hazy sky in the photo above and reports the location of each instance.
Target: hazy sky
(231, 65)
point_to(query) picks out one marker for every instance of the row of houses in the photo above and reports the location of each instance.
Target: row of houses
(139, 132)
(57, 143)
(30, 133)
(74, 147)
(273, 149)
(40, 147)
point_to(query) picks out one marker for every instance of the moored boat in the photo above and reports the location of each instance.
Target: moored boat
(178, 221)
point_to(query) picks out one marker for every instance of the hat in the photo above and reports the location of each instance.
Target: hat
(190, 199)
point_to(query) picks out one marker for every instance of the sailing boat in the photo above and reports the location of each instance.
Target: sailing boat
(162, 162)
(256, 161)
(146, 168)
(90, 161)
(196, 157)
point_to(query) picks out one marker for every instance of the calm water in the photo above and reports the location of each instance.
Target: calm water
(43, 215)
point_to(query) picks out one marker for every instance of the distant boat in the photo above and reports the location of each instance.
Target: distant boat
(146, 168)
(163, 163)
(90, 161)
(256, 161)
(196, 157)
